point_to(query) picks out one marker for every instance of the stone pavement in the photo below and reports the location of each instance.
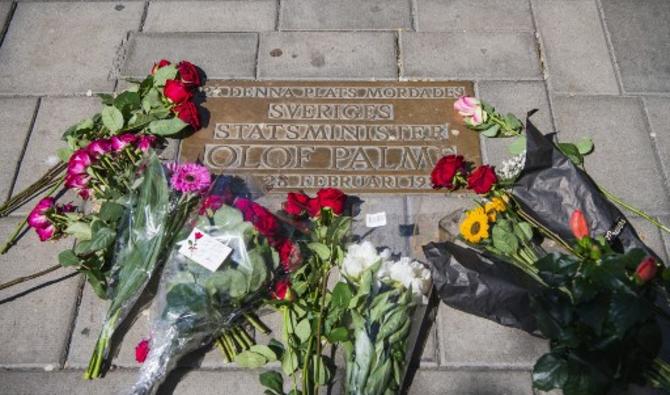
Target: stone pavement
(595, 67)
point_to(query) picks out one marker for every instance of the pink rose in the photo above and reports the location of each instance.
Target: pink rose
(46, 233)
(76, 181)
(120, 142)
(145, 142)
(100, 147)
(470, 108)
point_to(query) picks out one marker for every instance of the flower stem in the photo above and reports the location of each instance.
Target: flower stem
(30, 277)
(633, 209)
(319, 323)
(256, 323)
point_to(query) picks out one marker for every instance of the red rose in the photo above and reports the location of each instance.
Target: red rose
(188, 113)
(333, 198)
(290, 256)
(578, 225)
(282, 290)
(211, 202)
(262, 219)
(142, 350)
(158, 65)
(445, 170)
(176, 91)
(296, 203)
(189, 74)
(646, 270)
(482, 179)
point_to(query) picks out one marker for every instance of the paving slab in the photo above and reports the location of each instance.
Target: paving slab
(659, 120)
(220, 55)
(517, 98)
(628, 170)
(470, 341)
(388, 236)
(54, 116)
(211, 16)
(345, 15)
(639, 32)
(494, 56)
(575, 47)
(16, 115)
(36, 315)
(327, 56)
(472, 382)
(5, 11)
(473, 15)
(47, 51)
(650, 235)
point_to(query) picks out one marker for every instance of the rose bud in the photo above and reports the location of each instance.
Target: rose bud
(176, 92)
(446, 169)
(100, 147)
(290, 256)
(76, 181)
(282, 290)
(332, 198)
(578, 224)
(646, 270)
(188, 113)
(482, 179)
(161, 63)
(120, 142)
(46, 233)
(146, 141)
(142, 350)
(189, 74)
(37, 217)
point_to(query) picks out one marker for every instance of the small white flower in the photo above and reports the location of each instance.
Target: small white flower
(359, 258)
(510, 168)
(409, 274)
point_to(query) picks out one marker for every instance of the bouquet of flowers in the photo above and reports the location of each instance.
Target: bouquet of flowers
(594, 299)
(379, 295)
(155, 213)
(219, 272)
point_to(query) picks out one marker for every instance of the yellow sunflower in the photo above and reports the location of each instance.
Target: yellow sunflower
(475, 226)
(496, 205)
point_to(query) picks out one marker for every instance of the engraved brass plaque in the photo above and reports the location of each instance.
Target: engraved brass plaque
(357, 136)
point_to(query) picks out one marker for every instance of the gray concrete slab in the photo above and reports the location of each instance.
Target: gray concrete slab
(16, 115)
(471, 382)
(623, 161)
(345, 15)
(575, 46)
(47, 51)
(659, 120)
(517, 98)
(54, 116)
(470, 341)
(385, 236)
(639, 33)
(36, 315)
(327, 55)
(477, 15)
(497, 56)
(211, 16)
(650, 235)
(5, 10)
(220, 55)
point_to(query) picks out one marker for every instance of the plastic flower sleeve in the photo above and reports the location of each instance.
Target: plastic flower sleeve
(551, 187)
(194, 304)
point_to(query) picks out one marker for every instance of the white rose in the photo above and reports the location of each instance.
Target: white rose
(410, 274)
(359, 257)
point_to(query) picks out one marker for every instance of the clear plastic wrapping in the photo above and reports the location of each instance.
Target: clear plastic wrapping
(194, 304)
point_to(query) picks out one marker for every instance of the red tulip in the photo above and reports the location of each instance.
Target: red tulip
(578, 225)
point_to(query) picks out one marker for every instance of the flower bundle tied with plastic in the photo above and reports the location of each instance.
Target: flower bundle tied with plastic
(220, 270)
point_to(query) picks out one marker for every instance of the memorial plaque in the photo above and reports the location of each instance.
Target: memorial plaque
(357, 136)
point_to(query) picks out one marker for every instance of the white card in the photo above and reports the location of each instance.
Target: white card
(375, 220)
(204, 250)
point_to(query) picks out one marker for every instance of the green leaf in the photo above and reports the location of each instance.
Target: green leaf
(289, 362)
(523, 230)
(571, 151)
(550, 372)
(97, 282)
(338, 335)
(152, 100)
(340, 296)
(517, 146)
(165, 73)
(585, 146)
(273, 380)
(303, 330)
(167, 127)
(504, 240)
(251, 360)
(625, 311)
(127, 101)
(64, 154)
(112, 118)
(512, 121)
(264, 351)
(492, 131)
(106, 99)
(323, 375)
(80, 230)
(68, 258)
(102, 238)
(320, 249)
(140, 120)
(111, 212)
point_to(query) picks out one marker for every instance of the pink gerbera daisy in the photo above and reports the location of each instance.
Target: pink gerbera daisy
(190, 177)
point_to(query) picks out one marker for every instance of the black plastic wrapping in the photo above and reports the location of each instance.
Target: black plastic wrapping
(481, 285)
(551, 187)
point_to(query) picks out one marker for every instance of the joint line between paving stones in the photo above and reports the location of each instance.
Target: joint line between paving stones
(610, 46)
(6, 22)
(655, 148)
(73, 322)
(398, 54)
(413, 15)
(17, 168)
(143, 19)
(277, 15)
(258, 56)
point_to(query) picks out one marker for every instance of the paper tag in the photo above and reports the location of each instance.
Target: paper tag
(375, 220)
(204, 250)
